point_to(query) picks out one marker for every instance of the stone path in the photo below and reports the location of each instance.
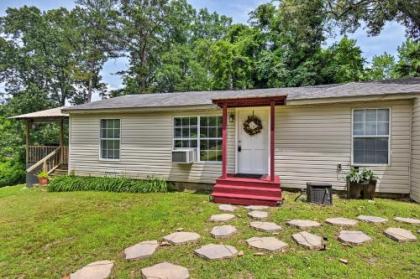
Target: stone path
(216, 251)
(309, 240)
(178, 238)
(165, 270)
(222, 217)
(412, 221)
(341, 221)
(353, 237)
(95, 270)
(303, 224)
(257, 214)
(141, 250)
(400, 235)
(269, 243)
(372, 219)
(227, 207)
(257, 207)
(265, 226)
(223, 231)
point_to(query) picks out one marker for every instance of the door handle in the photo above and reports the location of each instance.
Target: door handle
(239, 148)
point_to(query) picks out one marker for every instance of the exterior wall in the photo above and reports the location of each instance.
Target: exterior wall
(310, 141)
(146, 145)
(415, 152)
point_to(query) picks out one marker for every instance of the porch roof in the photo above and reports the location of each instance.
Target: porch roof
(43, 115)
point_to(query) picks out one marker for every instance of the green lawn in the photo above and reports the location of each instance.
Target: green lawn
(49, 235)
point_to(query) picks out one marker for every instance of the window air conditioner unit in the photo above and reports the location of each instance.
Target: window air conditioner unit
(184, 156)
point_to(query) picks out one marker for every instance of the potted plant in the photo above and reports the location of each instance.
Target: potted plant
(361, 183)
(43, 178)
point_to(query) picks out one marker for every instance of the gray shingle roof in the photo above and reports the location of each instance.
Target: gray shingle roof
(203, 98)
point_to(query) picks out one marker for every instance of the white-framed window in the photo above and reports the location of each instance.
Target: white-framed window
(110, 139)
(210, 138)
(185, 132)
(204, 133)
(371, 129)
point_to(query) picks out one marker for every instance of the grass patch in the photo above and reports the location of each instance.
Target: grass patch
(107, 184)
(48, 235)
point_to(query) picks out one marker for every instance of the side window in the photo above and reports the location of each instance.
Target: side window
(371, 136)
(211, 138)
(110, 139)
(185, 132)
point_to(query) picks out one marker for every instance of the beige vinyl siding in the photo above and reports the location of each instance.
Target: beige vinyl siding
(312, 140)
(415, 152)
(146, 145)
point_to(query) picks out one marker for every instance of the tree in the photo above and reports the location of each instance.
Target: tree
(95, 40)
(409, 59)
(383, 67)
(343, 62)
(351, 13)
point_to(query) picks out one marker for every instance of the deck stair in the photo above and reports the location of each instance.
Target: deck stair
(247, 191)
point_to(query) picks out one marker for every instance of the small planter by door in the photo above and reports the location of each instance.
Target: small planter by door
(43, 181)
(361, 190)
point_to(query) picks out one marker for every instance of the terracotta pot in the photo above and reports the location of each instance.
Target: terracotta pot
(42, 181)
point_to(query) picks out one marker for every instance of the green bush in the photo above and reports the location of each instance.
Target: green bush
(11, 173)
(106, 184)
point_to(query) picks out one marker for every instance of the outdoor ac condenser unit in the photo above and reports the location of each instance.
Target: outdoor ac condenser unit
(184, 156)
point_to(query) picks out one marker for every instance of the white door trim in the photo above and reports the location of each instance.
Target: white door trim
(237, 127)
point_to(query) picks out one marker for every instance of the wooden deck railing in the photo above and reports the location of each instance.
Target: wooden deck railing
(47, 158)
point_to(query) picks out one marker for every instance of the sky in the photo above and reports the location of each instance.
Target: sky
(390, 38)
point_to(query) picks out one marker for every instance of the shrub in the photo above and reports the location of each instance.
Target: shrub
(107, 184)
(360, 176)
(43, 174)
(11, 173)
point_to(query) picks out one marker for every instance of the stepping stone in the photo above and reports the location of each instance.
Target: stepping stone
(227, 207)
(412, 221)
(353, 237)
(223, 231)
(95, 270)
(303, 224)
(182, 237)
(270, 243)
(216, 251)
(141, 250)
(309, 240)
(257, 214)
(372, 219)
(222, 217)
(165, 270)
(265, 226)
(257, 207)
(340, 221)
(400, 235)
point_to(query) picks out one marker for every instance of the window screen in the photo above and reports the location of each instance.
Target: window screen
(371, 136)
(110, 138)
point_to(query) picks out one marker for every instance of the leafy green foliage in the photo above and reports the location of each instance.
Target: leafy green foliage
(11, 173)
(351, 14)
(357, 175)
(43, 174)
(107, 184)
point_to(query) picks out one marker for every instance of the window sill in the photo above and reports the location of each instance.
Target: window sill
(370, 165)
(109, 160)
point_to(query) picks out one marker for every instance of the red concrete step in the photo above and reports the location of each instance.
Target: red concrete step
(245, 196)
(244, 200)
(258, 190)
(247, 182)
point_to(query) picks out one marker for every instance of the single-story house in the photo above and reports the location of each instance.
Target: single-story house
(252, 143)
